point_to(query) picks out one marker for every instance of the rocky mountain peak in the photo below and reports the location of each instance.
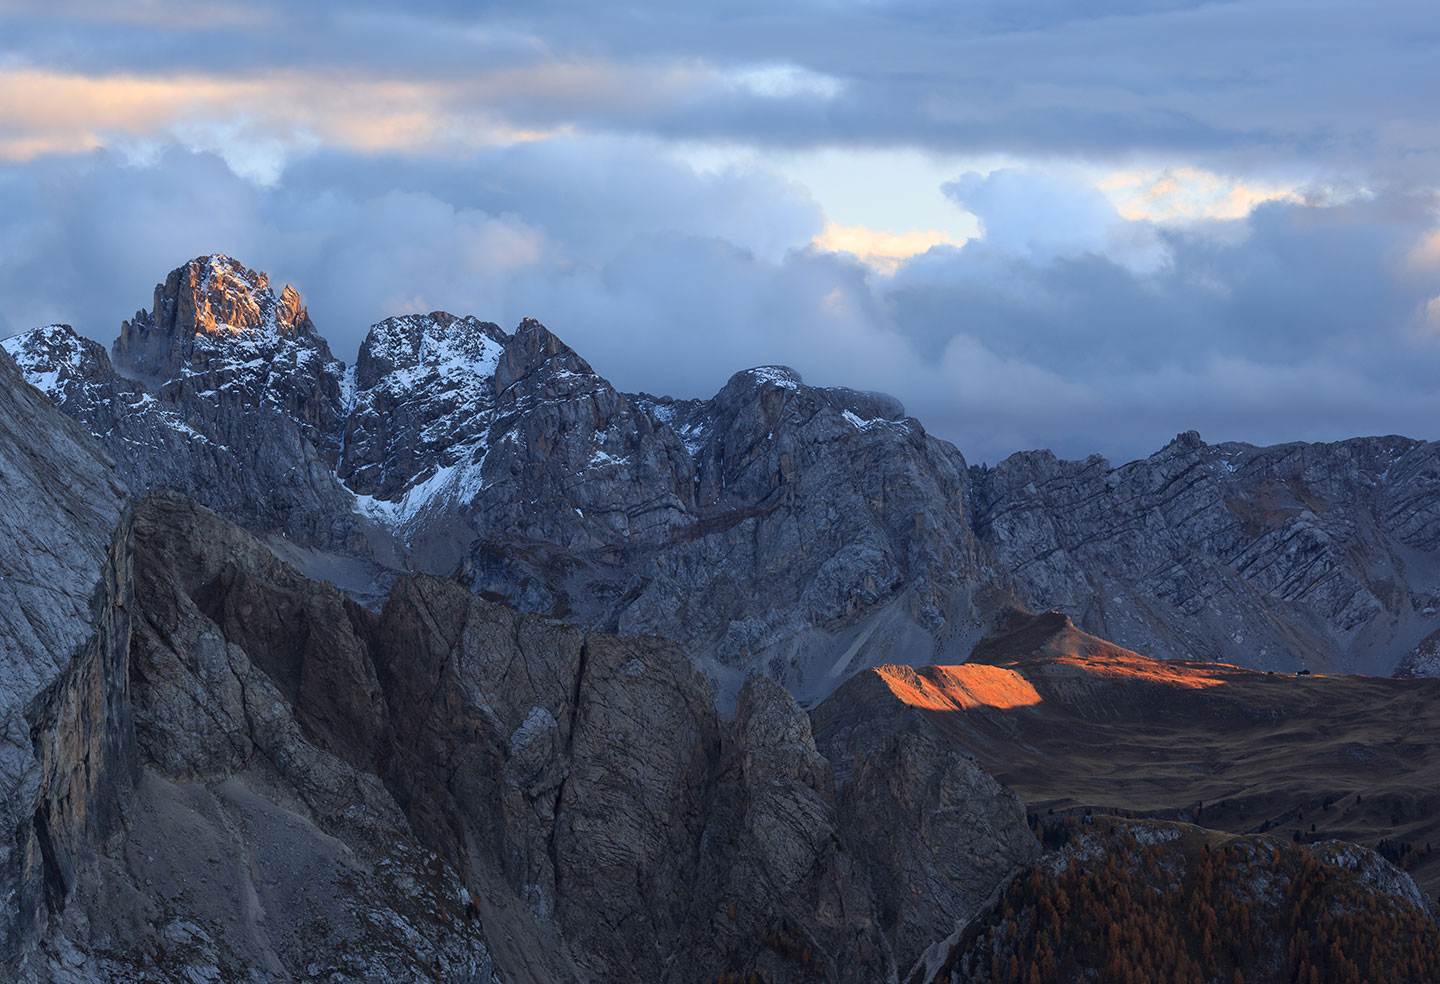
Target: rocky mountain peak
(210, 307)
(438, 340)
(56, 359)
(1189, 440)
(424, 394)
(760, 378)
(782, 376)
(225, 390)
(534, 349)
(219, 337)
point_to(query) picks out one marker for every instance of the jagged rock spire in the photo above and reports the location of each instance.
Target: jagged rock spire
(210, 299)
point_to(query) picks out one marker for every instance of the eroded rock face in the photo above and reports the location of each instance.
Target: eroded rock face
(218, 337)
(781, 891)
(940, 835)
(67, 752)
(260, 841)
(604, 818)
(424, 398)
(1318, 555)
(800, 531)
(831, 535)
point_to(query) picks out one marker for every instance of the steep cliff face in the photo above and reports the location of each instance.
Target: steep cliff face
(67, 752)
(580, 788)
(942, 831)
(588, 777)
(259, 842)
(1318, 555)
(424, 397)
(218, 337)
(830, 535)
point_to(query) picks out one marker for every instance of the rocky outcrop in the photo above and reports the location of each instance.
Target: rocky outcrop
(591, 775)
(67, 753)
(780, 890)
(579, 788)
(257, 841)
(940, 834)
(423, 403)
(803, 532)
(217, 336)
(546, 454)
(1300, 555)
(831, 535)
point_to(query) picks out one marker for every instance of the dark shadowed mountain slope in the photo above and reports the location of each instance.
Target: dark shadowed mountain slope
(67, 754)
(1070, 721)
(1151, 901)
(350, 781)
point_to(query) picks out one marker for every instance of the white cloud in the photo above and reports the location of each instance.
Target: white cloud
(1042, 217)
(1189, 194)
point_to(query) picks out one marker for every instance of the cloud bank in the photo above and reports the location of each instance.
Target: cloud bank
(1066, 325)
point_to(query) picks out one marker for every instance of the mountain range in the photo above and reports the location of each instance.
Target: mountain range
(460, 664)
(803, 532)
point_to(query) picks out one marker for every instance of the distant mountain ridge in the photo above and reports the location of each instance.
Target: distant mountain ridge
(804, 532)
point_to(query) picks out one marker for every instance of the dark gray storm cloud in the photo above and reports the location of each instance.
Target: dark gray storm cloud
(1318, 84)
(1066, 326)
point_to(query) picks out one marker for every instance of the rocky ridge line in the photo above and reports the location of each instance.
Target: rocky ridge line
(808, 533)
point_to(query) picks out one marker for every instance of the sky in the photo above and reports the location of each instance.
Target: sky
(1038, 223)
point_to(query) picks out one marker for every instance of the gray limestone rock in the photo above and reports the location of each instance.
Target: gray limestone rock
(799, 531)
(1300, 555)
(260, 841)
(67, 751)
(802, 532)
(939, 834)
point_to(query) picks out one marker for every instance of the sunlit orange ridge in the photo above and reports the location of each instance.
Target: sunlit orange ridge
(1122, 664)
(959, 688)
